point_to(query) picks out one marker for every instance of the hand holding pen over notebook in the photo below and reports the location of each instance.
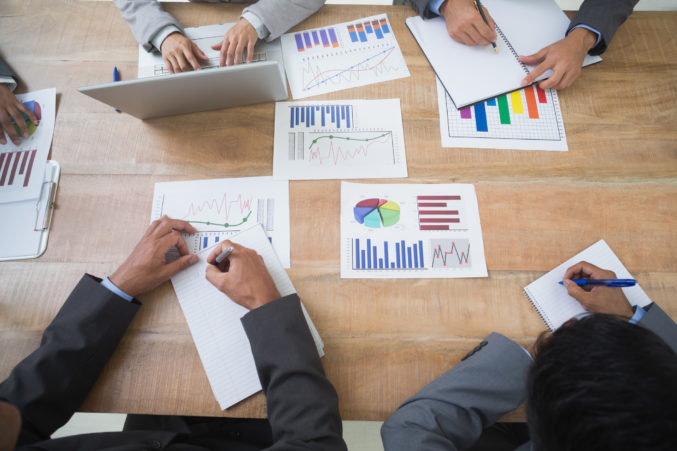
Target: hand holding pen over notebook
(594, 288)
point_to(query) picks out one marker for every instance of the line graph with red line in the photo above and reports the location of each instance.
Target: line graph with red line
(450, 253)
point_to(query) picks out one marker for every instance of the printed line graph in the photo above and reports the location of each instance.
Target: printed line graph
(450, 253)
(320, 77)
(354, 148)
(215, 210)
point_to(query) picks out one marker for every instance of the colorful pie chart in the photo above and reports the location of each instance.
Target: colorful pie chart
(377, 213)
(35, 109)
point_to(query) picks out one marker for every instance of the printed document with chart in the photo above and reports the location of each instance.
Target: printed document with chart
(526, 119)
(474, 73)
(151, 64)
(342, 56)
(220, 208)
(411, 231)
(214, 321)
(22, 167)
(339, 140)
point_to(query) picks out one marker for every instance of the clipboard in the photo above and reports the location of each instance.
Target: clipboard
(24, 228)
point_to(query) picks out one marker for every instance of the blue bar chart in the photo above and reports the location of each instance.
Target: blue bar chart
(387, 254)
(336, 116)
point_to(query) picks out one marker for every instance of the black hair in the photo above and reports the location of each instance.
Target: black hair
(600, 383)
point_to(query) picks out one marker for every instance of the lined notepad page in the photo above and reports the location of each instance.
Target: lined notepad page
(214, 322)
(554, 303)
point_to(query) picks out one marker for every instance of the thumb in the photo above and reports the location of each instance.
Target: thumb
(217, 46)
(180, 264)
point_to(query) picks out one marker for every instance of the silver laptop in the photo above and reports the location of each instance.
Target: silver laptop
(213, 87)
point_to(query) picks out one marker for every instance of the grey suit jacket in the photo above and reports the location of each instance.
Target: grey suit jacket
(604, 16)
(52, 382)
(451, 412)
(146, 17)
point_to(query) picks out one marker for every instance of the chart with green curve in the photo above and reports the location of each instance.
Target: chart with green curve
(377, 213)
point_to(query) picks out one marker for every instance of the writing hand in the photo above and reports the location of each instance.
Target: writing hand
(465, 25)
(180, 54)
(564, 57)
(238, 38)
(247, 281)
(145, 268)
(11, 108)
(597, 299)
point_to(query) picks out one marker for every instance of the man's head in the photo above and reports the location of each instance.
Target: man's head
(600, 383)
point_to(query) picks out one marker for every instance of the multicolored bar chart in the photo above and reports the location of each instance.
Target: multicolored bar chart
(387, 254)
(530, 118)
(338, 116)
(319, 38)
(364, 31)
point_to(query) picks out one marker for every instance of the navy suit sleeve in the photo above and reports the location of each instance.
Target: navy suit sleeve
(604, 16)
(52, 382)
(421, 8)
(657, 321)
(302, 404)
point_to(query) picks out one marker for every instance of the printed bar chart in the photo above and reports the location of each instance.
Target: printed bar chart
(361, 32)
(340, 116)
(437, 212)
(384, 255)
(325, 37)
(15, 164)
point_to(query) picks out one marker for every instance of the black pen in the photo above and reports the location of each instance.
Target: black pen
(478, 5)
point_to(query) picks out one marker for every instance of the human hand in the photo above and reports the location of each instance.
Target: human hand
(598, 299)
(239, 37)
(465, 25)
(11, 108)
(247, 281)
(564, 57)
(180, 54)
(145, 268)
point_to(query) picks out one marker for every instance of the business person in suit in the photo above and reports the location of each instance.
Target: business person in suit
(11, 108)
(589, 32)
(44, 390)
(266, 19)
(607, 381)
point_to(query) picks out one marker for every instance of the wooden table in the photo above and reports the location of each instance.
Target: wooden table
(384, 341)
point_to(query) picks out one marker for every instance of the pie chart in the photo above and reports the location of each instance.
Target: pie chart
(377, 213)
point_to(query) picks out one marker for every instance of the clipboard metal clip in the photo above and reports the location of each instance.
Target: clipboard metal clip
(45, 207)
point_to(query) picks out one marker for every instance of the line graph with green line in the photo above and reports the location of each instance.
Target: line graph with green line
(352, 148)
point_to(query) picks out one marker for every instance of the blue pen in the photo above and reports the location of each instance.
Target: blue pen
(617, 283)
(116, 77)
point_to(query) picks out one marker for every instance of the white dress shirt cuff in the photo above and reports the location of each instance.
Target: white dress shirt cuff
(10, 82)
(256, 22)
(160, 36)
(115, 290)
(434, 6)
(638, 315)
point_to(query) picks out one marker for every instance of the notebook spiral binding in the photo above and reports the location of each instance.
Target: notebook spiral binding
(543, 316)
(511, 48)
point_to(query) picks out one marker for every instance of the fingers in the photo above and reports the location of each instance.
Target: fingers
(199, 53)
(487, 30)
(190, 57)
(218, 278)
(542, 65)
(169, 62)
(223, 245)
(250, 51)
(588, 270)
(165, 224)
(8, 127)
(578, 293)
(178, 265)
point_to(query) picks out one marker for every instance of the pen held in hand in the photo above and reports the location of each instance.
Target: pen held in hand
(478, 5)
(221, 261)
(616, 283)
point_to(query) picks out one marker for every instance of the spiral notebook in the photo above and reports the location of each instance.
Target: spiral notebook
(551, 299)
(474, 73)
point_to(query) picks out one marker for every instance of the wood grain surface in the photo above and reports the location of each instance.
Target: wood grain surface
(384, 341)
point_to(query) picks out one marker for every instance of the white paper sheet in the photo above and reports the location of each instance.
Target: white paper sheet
(339, 140)
(22, 167)
(410, 231)
(151, 64)
(329, 59)
(554, 303)
(510, 122)
(214, 322)
(220, 208)
(474, 73)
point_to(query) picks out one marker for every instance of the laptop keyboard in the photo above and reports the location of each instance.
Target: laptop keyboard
(161, 69)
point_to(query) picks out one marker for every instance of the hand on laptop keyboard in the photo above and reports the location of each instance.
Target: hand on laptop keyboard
(237, 40)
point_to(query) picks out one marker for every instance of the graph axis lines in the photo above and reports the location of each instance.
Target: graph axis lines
(388, 52)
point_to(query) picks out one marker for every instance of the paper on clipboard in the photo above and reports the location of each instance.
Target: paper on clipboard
(24, 228)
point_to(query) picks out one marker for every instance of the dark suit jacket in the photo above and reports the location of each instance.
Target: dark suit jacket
(604, 16)
(5, 71)
(51, 383)
(452, 411)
